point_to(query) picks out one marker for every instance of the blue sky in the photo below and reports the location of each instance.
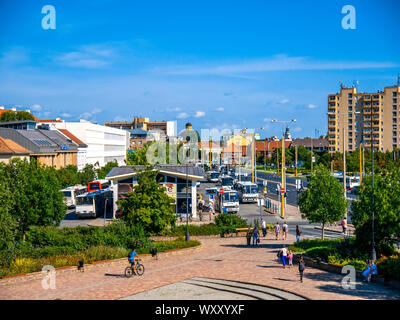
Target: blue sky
(218, 64)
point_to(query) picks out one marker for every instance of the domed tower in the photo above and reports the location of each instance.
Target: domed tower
(189, 126)
(288, 136)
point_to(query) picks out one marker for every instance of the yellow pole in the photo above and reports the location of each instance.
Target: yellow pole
(282, 173)
(295, 149)
(360, 165)
(209, 145)
(277, 160)
(202, 155)
(252, 162)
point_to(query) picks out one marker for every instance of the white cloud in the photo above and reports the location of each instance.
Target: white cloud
(182, 115)
(200, 114)
(66, 115)
(96, 110)
(284, 101)
(89, 57)
(275, 63)
(220, 109)
(312, 106)
(36, 107)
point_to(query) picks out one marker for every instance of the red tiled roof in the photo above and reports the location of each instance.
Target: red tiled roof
(50, 120)
(72, 137)
(10, 146)
(5, 110)
(269, 146)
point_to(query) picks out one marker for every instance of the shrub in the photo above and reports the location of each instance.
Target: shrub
(230, 220)
(201, 230)
(389, 267)
(320, 252)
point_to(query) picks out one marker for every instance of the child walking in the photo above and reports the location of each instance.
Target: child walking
(290, 259)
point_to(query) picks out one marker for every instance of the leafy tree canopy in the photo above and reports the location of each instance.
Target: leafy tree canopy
(323, 201)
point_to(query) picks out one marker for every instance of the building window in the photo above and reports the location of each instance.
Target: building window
(394, 107)
(394, 94)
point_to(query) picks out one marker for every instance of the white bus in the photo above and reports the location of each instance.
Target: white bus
(248, 191)
(226, 181)
(70, 194)
(351, 181)
(228, 201)
(92, 204)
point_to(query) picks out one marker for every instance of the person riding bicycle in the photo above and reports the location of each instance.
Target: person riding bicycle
(131, 257)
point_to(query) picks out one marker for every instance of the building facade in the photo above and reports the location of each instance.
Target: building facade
(104, 144)
(358, 118)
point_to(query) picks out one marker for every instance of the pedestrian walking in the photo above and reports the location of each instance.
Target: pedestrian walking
(302, 267)
(211, 207)
(285, 229)
(255, 235)
(264, 227)
(276, 228)
(284, 256)
(344, 225)
(290, 255)
(248, 236)
(298, 233)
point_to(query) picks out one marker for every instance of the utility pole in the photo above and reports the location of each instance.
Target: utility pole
(312, 155)
(344, 156)
(361, 172)
(295, 156)
(373, 252)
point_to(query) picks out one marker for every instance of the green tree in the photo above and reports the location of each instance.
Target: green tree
(8, 116)
(8, 224)
(69, 176)
(103, 171)
(323, 200)
(87, 175)
(37, 199)
(148, 205)
(23, 115)
(386, 212)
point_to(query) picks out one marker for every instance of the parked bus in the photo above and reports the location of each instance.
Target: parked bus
(228, 201)
(70, 194)
(98, 185)
(248, 191)
(212, 176)
(351, 181)
(92, 204)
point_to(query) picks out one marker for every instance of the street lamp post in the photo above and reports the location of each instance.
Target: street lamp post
(283, 185)
(373, 252)
(187, 238)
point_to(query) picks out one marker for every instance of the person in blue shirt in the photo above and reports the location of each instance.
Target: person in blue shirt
(131, 257)
(373, 270)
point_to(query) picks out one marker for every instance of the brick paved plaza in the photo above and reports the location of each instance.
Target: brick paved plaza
(218, 258)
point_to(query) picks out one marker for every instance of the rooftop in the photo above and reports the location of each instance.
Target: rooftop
(8, 146)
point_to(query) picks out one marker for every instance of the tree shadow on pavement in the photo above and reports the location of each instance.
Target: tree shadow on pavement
(265, 246)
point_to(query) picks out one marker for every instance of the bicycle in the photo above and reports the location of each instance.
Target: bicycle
(135, 268)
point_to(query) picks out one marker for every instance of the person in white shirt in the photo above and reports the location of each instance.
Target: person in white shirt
(284, 253)
(285, 229)
(264, 227)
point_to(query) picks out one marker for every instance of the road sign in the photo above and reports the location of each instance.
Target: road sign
(298, 184)
(283, 190)
(221, 190)
(265, 183)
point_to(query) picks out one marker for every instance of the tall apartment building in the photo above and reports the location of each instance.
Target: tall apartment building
(356, 118)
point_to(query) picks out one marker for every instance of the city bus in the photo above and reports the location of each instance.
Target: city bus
(228, 201)
(93, 204)
(248, 191)
(70, 194)
(98, 185)
(351, 181)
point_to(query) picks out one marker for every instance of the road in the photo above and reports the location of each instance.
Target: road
(251, 212)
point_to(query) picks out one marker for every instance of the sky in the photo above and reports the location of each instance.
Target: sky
(225, 64)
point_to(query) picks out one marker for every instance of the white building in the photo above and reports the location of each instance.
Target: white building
(104, 144)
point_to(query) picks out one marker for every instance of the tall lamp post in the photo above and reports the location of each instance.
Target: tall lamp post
(187, 238)
(283, 185)
(373, 252)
